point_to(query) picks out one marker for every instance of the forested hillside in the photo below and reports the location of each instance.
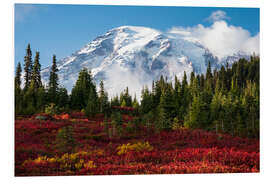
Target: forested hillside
(222, 100)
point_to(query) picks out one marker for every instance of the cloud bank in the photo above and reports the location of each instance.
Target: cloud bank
(221, 38)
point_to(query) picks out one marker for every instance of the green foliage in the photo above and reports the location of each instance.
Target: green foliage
(18, 101)
(53, 82)
(62, 98)
(36, 77)
(103, 100)
(92, 105)
(224, 100)
(28, 67)
(64, 141)
(52, 109)
(175, 124)
(115, 101)
(146, 102)
(125, 99)
(117, 123)
(18, 76)
(18, 91)
(123, 104)
(148, 119)
(80, 92)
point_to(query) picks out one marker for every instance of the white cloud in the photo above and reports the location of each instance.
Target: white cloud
(221, 39)
(217, 16)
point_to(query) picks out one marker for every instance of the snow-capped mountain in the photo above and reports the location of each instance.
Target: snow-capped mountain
(134, 56)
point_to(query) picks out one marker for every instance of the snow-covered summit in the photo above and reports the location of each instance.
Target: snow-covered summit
(134, 56)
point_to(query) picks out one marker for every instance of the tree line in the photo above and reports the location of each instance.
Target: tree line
(224, 100)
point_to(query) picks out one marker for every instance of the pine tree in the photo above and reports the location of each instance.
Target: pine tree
(35, 93)
(202, 82)
(146, 101)
(28, 67)
(18, 76)
(166, 108)
(115, 101)
(36, 78)
(125, 96)
(184, 98)
(135, 103)
(18, 92)
(103, 99)
(184, 81)
(92, 105)
(62, 97)
(192, 77)
(53, 82)
(80, 92)
(216, 110)
(209, 71)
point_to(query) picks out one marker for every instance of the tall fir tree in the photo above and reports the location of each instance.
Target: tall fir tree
(18, 92)
(36, 77)
(103, 99)
(18, 75)
(209, 74)
(80, 92)
(28, 67)
(92, 105)
(53, 82)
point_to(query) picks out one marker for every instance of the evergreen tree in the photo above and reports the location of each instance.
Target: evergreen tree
(80, 92)
(103, 99)
(146, 101)
(192, 77)
(62, 98)
(115, 101)
(18, 76)
(27, 67)
(92, 104)
(209, 71)
(166, 109)
(53, 82)
(36, 78)
(18, 92)
(185, 98)
(124, 96)
(216, 110)
(135, 103)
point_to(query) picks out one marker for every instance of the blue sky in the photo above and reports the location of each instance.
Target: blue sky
(63, 29)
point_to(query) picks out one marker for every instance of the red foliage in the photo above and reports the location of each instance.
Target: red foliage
(180, 151)
(64, 116)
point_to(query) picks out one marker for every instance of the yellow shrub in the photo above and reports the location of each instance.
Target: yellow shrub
(138, 147)
(40, 159)
(68, 161)
(79, 164)
(89, 165)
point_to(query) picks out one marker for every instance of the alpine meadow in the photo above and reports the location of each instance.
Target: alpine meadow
(144, 96)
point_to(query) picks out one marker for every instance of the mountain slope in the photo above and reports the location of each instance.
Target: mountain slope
(134, 56)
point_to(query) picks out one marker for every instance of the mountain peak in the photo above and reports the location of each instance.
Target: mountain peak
(132, 56)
